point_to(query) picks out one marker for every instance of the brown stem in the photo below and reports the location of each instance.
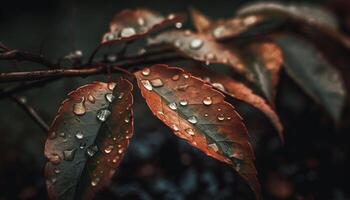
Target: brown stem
(25, 56)
(22, 102)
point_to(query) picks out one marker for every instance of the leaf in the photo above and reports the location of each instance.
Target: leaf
(87, 139)
(238, 91)
(307, 66)
(201, 47)
(310, 14)
(132, 24)
(264, 59)
(200, 21)
(198, 114)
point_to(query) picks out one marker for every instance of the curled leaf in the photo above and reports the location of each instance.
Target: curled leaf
(238, 91)
(132, 24)
(199, 114)
(88, 139)
(308, 67)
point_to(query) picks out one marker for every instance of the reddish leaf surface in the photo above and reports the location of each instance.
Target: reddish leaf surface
(201, 22)
(198, 114)
(87, 139)
(131, 24)
(238, 91)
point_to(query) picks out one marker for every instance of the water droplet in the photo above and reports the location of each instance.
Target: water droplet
(183, 102)
(57, 171)
(79, 108)
(157, 82)
(185, 76)
(79, 135)
(146, 71)
(175, 127)
(95, 181)
(127, 32)
(175, 77)
(196, 44)
(111, 86)
(120, 151)
(214, 147)
(178, 25)
(121, 95)
(91, 150)
(189, 131)
(192, 119)
(53, 180)
(221, 117)
(207, 101)
(112, 57)
(110, 36)
(103, 114)
(172, 106)
(182, 87)
(141, 21)
(218, 86)
(82, 145)
(62, 134)
(108, 149)
(250, 20)
(147, 85)
(69, 154)
(178, 43)
(218, 31)
(110, 97)
(127, 119)
(210, 56)
(206, 115)
(91, 98)
(54, 158)
(171, 16)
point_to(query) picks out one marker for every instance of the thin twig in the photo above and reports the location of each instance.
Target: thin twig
(25, 56)
(22, 102)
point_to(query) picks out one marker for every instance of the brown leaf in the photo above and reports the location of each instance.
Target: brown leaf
(238, 91)
(200, 21)
(198, 114)
(201, 47)
(87, 139)
(132, 24)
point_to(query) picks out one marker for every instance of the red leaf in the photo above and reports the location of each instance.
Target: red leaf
(198, 114)
(88, 139)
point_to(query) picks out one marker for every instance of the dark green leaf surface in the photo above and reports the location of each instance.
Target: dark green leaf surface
(307, 66)
(87, 139)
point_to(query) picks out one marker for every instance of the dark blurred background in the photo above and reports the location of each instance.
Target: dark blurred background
(313, 163)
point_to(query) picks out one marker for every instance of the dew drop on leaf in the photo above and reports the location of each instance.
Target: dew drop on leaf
(62, 134)
(127, 119)
(157, 82)
(120, 151)
(110, 97)
(127, 32)
(121, 95)
(146, 71)
(57, 171)
(91, 150)
(221, 117)
(214, 147)
(103, 114)
(175, 127)
(141, 21)
(189, 131)
(111, 86)
(207, 101)
(91, 98)
(196, 44)
(172, 106)
(147, 85)
(175, 77)
(68, 155)
(178, 43)
(178, 25)
(218, 86)
(54, 159)
(217, 32)
(95, 181)
(79, 108)
(192, 119)
(183, 102)
(108, 149)
(79, 135)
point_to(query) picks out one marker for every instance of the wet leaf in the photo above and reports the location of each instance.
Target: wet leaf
(238, 91)
(310, 14)
(88, 139)
(264, 59)
(201, 47)
(308, 67)
(132, 24)
(198, 114)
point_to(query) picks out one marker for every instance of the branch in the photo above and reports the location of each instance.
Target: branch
(98, 68)
(24, 56)
(22, 102)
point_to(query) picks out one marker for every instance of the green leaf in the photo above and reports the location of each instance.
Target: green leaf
(307, 66)
(88, 139)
